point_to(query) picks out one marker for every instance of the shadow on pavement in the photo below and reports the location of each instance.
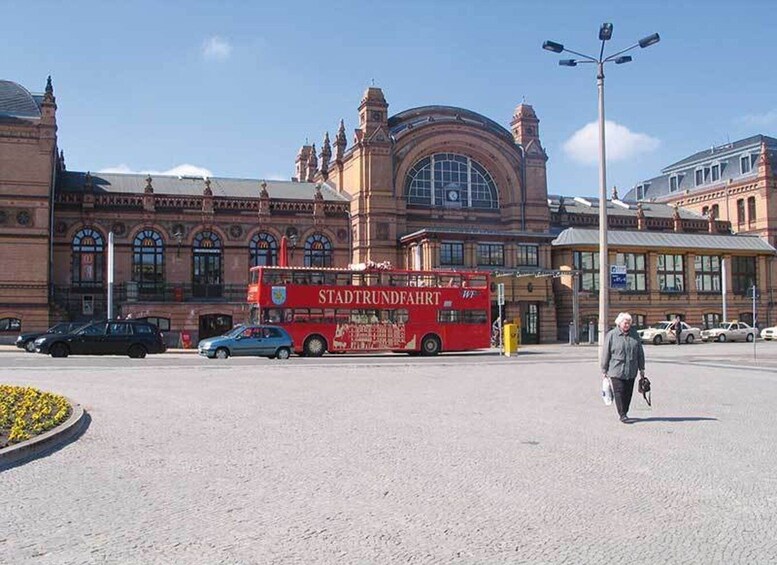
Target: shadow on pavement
(674, 419)
(84, 425)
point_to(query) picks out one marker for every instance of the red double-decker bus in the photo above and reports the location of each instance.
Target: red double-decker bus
(363, 309)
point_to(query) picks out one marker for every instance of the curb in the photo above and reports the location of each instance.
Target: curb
(46, 441)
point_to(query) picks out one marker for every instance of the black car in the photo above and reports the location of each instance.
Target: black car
(119, 337)
(27, 340)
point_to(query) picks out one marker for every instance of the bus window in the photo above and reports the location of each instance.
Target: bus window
(316, 315)
(272, 316)
(301, 278)
(329, 279)
(474, 316)
(371, 279)
(343, 279)
(401, 316)
(448, 316)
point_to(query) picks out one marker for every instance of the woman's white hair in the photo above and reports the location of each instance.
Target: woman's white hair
(622, 317)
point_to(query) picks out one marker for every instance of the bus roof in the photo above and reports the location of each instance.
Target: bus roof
(370, 270)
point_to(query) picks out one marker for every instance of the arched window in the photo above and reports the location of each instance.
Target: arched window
(206, 265)
(264, 250)
(87, 258)
(450, 180)
(10, 325)
(318, 251)
(148, 254)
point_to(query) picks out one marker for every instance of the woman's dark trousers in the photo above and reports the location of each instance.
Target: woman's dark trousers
(622, 390)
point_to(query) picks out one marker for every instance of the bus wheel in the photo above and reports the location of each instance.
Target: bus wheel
(315, 346)
(430, 345)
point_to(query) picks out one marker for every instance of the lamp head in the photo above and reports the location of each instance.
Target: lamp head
(605, 32)
(622, 59)
(553, 46)
(567, 63)
(649, 40)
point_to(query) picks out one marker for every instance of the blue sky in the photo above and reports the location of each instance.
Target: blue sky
(236, 87)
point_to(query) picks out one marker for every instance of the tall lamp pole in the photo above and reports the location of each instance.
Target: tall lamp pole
(605, 34)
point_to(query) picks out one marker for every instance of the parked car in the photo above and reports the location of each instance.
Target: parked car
(26, 341)
(662, 332)
(730, 331)
(267, 341)
(769, 333)
(119, 337)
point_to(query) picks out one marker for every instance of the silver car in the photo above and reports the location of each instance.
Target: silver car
(263, 341)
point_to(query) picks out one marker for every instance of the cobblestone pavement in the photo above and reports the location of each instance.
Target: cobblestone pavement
(389, 459)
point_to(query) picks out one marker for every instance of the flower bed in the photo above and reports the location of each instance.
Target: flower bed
(26, 412)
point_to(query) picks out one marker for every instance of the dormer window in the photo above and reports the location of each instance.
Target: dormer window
(674, 183)
(745, 164)
(698, 177)
(715, 169)
(640, 192)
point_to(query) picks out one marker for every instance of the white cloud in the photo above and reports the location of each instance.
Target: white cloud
(622, 143)
(184, 170)
(759, 120)
(216, 49)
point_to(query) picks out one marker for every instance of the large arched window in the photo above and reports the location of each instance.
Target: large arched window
(148, 255)
(450, 180)
(206, 265)
(264, 250)
(87, 258)
(318, 251)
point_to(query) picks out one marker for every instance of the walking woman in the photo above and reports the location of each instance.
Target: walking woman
(622, 357)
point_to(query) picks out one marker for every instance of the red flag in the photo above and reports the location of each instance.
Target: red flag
(283, 256)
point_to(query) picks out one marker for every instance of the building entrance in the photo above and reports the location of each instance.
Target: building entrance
(530, 322)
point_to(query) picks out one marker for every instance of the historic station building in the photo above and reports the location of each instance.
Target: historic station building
(427, 188)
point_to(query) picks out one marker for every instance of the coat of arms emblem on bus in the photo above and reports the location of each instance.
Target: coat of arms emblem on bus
(278, 295)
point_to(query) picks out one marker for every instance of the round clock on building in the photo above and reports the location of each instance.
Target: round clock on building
(453, 195)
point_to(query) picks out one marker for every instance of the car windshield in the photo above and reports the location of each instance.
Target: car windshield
(661, 325)
(59, 328)
(234, 332)
(724, 325)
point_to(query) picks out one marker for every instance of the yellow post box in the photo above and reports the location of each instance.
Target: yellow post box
(510, 339)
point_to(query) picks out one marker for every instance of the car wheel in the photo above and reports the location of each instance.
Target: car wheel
(137, 352)
(283, 353)
(657, 340)
(222, 353)
(315, 346)
(722, 338)
(430, 345)
(29, 345)
(59, 350)
(689, 339)
(750, 338)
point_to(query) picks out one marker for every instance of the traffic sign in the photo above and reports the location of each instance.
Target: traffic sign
(618, 277)
(500, 294)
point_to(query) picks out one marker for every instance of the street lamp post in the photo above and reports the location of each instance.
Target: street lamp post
(605, 34)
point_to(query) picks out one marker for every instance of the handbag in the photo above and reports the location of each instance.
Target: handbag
(643, 387)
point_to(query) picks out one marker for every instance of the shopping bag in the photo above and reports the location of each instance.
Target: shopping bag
(606, 391)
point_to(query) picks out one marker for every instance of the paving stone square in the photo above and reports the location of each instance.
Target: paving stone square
(463, 459)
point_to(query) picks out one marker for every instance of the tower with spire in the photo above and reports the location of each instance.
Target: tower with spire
(525, 127)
